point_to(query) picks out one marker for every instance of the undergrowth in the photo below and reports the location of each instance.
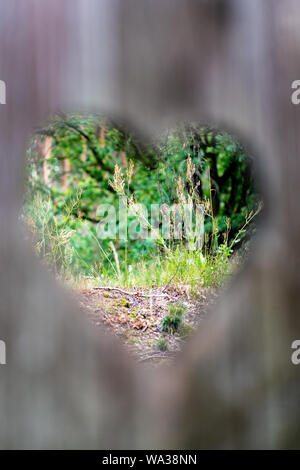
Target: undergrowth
(173, 320)
(63, 242)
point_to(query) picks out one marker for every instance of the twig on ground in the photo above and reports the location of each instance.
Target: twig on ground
(129, 293)
(156, 356)
(157, 352)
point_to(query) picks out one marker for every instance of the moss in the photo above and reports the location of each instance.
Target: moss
(121, 303)
(133, 316)
(107, 295)
(132, 340)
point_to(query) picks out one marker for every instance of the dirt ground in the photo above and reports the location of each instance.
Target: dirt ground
(135, 315)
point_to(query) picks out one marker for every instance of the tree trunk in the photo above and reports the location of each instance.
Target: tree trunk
(44, 149)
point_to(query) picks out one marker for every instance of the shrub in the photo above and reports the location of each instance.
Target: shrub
(162, 344)
(173, 320)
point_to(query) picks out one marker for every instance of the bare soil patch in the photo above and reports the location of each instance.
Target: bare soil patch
(135, 316)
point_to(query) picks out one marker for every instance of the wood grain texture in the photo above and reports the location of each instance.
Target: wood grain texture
(229, 63)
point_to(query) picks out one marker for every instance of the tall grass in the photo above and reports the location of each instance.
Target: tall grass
(172, 262)
(50, 235)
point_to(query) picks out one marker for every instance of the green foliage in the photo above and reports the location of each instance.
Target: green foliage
(162, 344)
(51, 235)
(173, 320)
(223, 174)
(193, 164)
(186, 330)
(92, 162)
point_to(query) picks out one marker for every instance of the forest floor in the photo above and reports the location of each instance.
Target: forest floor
(135, 316)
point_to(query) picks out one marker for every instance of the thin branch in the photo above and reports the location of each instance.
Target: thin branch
(91, 145)
(157, 356)
(171, 279)
(129, 293)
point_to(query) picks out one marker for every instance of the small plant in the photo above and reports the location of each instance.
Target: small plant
(162, 344)
(186, 330)
(50, 235)
(173, 320)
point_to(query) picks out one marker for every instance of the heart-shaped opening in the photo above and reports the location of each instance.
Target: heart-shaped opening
(147, 235)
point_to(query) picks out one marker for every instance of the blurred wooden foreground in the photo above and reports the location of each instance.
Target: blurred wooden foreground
(226, 63)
